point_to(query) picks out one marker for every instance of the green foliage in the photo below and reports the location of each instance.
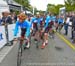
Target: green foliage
(70, 5)
(54, 8)
(25, 3)
(70, 2)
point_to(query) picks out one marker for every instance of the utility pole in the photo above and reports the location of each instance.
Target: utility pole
(21, 6)
(33, 10)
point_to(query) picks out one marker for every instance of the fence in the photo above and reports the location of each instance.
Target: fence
(7, 34)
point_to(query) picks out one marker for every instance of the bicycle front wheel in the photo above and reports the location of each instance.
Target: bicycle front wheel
(19, 55)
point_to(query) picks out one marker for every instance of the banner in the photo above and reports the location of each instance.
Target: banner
(11, 32)
(11, 29)
(3, 40)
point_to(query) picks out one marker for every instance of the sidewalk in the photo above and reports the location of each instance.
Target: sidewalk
(68, 37)
(4, 51)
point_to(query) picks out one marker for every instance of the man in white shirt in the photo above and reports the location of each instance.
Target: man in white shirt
(66, 25)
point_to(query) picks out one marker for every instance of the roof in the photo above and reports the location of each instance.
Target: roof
(13, 2)
(3, 3)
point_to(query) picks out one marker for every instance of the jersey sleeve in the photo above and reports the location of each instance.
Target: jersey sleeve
(28, 30)
(16, 28)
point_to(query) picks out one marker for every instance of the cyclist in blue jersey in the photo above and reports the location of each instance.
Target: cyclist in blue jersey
(46, 30)
(36, 22)
(34, 25)
(53, 18)
(24, 26)
(41, 21)
(60, 22)
(56, 23)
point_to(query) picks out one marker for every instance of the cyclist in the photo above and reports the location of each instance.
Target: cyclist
(46, 30)
(36, 23)
(51, 24)
(42, 23)
(56, 23)
(24, 26)
(60, 22)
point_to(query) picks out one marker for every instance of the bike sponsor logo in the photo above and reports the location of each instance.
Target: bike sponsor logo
(1, 36)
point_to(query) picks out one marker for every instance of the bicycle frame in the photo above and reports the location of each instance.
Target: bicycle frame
(19, 53)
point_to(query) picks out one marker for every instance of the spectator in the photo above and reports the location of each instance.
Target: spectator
(14, 16)
(6, 19)
(73, 25)
(72, 19)
(66, 24)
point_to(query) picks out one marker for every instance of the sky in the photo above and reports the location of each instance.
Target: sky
(42, 4)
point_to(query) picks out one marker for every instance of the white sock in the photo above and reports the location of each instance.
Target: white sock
(46, 41)
(28, 45)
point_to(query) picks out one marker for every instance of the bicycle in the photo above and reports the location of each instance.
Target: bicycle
(51, 30)
(22, 45)
(51, 33)
(40, 35)
(19, 53)
(60, 27)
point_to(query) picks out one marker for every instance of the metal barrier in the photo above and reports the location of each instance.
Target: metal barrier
(7, 35)
(3, 40)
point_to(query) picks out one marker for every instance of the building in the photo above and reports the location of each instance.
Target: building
(14, 5)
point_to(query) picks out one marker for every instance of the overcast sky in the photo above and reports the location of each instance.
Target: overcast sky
(42, 4)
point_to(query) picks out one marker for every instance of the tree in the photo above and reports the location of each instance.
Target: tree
(25, 3)
(50, 7)
(70, 2)
(70, 5)
(54, 8)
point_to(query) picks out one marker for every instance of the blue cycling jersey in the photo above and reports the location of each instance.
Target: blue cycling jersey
(29, 22)
(53, 18)
(24, 24)
(33, 20)
(60, 20)
(41, 19)
(48, 19)
(36, 20)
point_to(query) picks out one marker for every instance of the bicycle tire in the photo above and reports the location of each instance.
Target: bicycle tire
(19, 55)
(19, 59)
(37, 45)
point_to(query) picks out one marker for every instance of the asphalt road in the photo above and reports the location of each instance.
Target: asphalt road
(56, 53)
